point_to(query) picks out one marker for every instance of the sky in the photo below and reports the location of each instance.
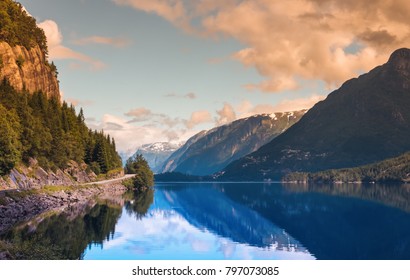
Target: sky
(147, 71)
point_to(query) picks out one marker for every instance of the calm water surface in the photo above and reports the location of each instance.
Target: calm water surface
(235, 221)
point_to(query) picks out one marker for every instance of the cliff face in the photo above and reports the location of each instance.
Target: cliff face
(27, 69)
(35, 177)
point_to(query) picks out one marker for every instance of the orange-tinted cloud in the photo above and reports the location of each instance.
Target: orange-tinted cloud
(140, 114)
(225, 115)
(58, 51)
(246, 108)
(198, 117)
(290, 41)
(115, 42)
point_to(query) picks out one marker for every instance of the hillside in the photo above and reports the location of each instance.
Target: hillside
(365, 121)
(35, 126)
(390, 170)
(210, 151)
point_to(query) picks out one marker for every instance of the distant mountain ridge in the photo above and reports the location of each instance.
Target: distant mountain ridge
(365, 121)
(156, 153)
(391, 170)
(209, 151)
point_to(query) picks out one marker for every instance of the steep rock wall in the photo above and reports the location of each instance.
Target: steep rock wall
(28, 69)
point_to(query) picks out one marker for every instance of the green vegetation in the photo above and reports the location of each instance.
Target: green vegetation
(139, 205)
(34, 126)
(18, 28)
(391, 170)
(10, 145)
(58, 237)
(144, 177)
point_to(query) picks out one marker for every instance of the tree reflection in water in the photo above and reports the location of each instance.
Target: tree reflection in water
(140, 202)
(63, 236)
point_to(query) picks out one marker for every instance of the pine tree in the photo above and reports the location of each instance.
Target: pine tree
(10, 145)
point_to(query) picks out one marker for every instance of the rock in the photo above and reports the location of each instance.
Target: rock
(33, 74)
(35, 177)
(77, 199)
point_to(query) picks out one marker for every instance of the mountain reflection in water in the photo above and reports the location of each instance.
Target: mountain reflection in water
(231, 221)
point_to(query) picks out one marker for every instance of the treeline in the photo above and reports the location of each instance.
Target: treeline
(18, 28)
(390, 170)
(34, 126)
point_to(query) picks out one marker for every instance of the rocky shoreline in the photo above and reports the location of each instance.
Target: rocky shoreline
(17, 206)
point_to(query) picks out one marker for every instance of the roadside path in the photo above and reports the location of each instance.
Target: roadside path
(91, 183)
(110, 181)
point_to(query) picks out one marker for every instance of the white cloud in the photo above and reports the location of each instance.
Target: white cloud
(127, 136)
(58, 51)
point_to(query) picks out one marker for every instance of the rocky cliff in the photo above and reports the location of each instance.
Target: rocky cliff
(34, 176)
(28, 69)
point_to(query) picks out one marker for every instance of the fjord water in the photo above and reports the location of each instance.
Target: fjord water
(238, 221)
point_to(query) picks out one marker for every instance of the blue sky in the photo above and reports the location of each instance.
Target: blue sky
(162, 70)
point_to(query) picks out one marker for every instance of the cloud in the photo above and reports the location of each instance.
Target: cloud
(127, 136)
(189, 95)
(171, 10)
(225, 115)
(198, 117)
(79, 102)
(140, 114)
(246, 108)
(115, 42)
(289, 42)
(58, 51)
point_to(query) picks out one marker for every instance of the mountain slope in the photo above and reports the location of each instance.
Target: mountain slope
(209, 152)
(365, 121)
(390, 170)
(156, 154)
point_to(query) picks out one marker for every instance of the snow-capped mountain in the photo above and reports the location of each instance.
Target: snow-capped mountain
(156, 153)
(210, 151)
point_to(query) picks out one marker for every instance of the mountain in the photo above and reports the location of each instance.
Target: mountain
(156, 154)
(210, 151)
(387, 171)
(172, 162)
(365, 121)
